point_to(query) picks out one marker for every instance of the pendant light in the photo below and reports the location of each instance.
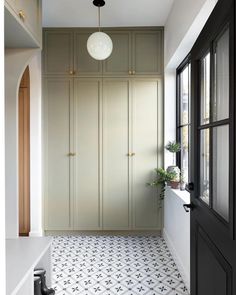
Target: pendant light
(99, 44)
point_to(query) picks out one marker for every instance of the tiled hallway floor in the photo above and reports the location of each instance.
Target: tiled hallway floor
(112, 265)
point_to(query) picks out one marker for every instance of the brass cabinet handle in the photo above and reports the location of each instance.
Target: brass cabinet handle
(133, 72)
(21, 15)
(71, 154)
(130, 72)
(131, 154)
(71, 72)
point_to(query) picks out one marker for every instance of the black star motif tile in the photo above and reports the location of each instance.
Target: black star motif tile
(114, 265)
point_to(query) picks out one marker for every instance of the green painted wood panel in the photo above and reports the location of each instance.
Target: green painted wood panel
(119, 63)
(57, 163)
(58, 52)
(84, 64)
(87, 95)
(147, 52)
(116, 199)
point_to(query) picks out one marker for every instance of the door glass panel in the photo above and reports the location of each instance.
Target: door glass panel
(205, 89)
(221, 170)
(184, 151)
(204, 164)
(221, 96)
(184, 88)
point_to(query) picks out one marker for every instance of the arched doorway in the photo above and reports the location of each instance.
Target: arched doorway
(24, 153)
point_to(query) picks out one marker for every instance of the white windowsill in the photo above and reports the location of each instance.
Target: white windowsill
(184, 195)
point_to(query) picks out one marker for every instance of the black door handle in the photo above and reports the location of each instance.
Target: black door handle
(188, 206)
(191, 186)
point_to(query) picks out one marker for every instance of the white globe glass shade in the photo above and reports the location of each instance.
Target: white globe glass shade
(99, 45)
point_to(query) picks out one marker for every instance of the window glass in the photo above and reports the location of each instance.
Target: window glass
(185, 152)
(221, 170)
(204, 164)
(184, 95)
(205, 90)
(221, 79)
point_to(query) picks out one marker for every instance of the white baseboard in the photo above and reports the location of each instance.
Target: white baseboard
(184, 273)
(36, 233)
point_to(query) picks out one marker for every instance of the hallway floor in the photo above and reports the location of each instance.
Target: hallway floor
(110, 265)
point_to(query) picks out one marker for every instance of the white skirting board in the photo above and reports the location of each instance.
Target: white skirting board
(185, 275)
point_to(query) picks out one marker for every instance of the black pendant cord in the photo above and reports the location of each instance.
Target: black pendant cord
(99, 19)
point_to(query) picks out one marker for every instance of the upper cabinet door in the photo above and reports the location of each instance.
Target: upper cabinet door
(119, 63)
(147, 52)
(84, 64)
(58, 52)
(30, 14)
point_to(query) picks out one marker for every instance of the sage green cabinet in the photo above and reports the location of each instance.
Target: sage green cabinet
(58, 188)
(58, 53)
(134, 53)
(116, 195)
(147, 145)
(86, 161)
(147, 54)
(84, 64)
(119, 62)
(29, 13)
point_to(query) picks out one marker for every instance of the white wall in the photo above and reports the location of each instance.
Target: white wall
(2, 160)
(184, 23)
(183, 26)
(16, 61)
(177, 230)
(35, 146)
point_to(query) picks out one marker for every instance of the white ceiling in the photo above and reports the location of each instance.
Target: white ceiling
(116, 13)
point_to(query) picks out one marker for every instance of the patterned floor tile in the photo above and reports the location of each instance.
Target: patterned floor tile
(114, 265)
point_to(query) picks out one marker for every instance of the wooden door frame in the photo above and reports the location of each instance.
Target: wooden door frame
(24, 153)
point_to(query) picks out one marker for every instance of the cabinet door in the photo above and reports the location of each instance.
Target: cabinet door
(30, 13)
(146, 131)
(87, 165)
(58, 52)
(84, 64)
(57, 116)
(116, 203)
(147, 52)
(119, 63)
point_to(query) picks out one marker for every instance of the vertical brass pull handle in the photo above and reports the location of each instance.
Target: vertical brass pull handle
(21, 15)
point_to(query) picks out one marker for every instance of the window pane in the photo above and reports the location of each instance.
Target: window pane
(184, 96)
(221, 97)
(205, 89)
(204, 164)
(221, 170)
(184, 151)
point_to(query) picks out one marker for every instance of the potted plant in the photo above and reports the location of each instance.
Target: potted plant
(163, 177)
(174, 147)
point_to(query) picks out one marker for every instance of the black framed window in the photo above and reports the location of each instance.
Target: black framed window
(183, 123)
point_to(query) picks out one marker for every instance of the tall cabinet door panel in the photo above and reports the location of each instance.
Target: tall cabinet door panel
(58, 194)
(84, 64)
(116, 203)
(87, 166)
(145, 147)
(147, 52)
(119, 63)
(58, 52)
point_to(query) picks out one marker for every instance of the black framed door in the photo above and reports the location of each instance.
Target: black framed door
(213, 245)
